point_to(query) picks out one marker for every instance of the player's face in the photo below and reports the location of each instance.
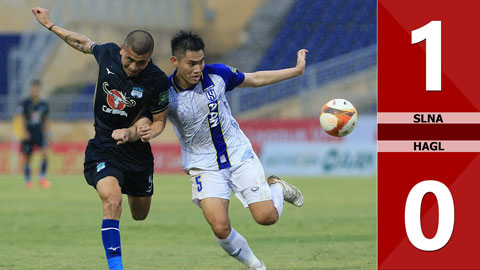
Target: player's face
(189, 67)
(35, 91)
(133, 63)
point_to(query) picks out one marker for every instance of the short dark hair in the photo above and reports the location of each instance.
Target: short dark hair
(140, 41)
(36, 82)
(184, 41)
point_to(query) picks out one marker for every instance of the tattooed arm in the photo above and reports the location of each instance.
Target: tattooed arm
(76, 40)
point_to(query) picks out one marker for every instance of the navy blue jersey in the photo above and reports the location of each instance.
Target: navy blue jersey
(121, 100)
(35, 114)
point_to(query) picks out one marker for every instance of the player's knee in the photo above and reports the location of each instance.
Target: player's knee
(267, 218)
(113, 204)
(264, 213)
(221, 231)
(139, 216)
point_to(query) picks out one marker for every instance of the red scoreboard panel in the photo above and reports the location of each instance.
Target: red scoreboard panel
(428, 134)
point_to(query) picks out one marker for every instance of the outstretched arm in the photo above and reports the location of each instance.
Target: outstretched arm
(76, 40)
(267, 77)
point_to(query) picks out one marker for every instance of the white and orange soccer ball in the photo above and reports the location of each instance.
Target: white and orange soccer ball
(338, 117)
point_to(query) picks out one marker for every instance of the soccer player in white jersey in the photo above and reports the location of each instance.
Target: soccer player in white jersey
(215, 152)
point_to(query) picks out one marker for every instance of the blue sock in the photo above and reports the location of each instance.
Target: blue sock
(27, 172)
(43, 172)
(111, 243)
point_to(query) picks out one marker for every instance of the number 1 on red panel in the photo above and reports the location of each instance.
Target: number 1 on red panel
(432, 33)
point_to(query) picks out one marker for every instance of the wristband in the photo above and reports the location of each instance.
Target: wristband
(50, 28)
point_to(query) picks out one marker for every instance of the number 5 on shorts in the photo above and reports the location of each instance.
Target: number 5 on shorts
(199, 183)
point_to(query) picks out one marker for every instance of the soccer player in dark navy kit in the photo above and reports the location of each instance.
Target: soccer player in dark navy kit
(34, 114)
(131, 102)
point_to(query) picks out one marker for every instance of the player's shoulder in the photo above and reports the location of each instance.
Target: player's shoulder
(217, 68)
(157, 77)
(221, 70)
(103, 51)
(26, 101)
(106, 46)
(156, 71)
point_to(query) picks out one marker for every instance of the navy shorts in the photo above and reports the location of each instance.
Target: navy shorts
(138, 184)
(36, 140)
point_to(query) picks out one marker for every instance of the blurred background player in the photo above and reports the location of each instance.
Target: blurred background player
(215, 152)
(34, 115)
(116, 160)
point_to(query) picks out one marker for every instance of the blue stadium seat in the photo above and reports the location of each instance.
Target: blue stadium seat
(7, 41)
(336, 27)
(328, 29)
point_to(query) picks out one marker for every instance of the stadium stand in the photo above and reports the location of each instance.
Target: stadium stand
(32, 55)
(6, 42)
(341, 26)
(341, 36)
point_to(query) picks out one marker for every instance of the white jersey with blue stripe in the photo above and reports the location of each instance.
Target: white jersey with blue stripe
(210, 137)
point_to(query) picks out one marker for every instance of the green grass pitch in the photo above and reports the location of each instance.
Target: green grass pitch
(59, 228)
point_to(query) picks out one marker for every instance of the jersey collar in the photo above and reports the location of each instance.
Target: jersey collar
(177, 87)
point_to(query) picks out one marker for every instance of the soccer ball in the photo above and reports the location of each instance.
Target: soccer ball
(338, 117)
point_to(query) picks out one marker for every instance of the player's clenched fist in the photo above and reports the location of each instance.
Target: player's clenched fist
(144, 131)
(42, 15)
(121, 135)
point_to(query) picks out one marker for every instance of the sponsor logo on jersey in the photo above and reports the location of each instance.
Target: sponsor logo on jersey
(163, 98)
(210, 93)
(232, 69)
(218, 139)
(213, 120)
(117, 101)
(137, 92)
(36, 117)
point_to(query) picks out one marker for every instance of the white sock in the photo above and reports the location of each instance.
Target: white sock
(236, 246)
(277, 197)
